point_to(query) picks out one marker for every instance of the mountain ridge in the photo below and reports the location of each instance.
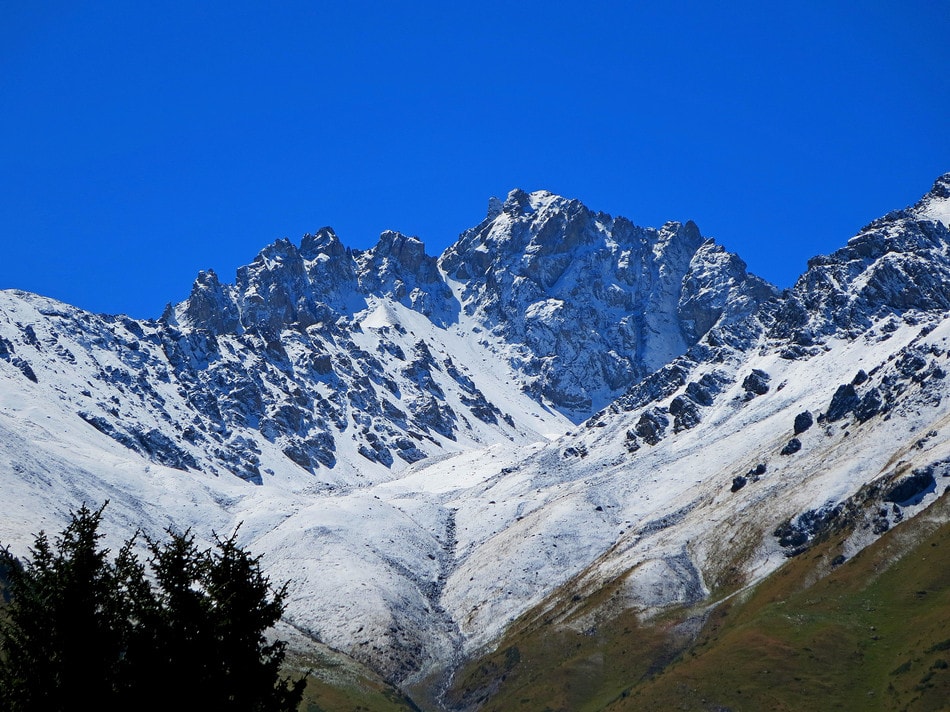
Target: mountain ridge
(560, 399)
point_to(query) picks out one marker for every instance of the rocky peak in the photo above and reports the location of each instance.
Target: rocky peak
(324, 242)
(896, 264)
(209, 306)
(675, 242)
(718, 285)
(283, 287)
(274, 290)
(588, 302)
(686, 233)
(278, 251)
(495, 208)
(935, 205)
(402, 253)
(516, 202)
(941, 187)
(398, 267)
(583, 304)
(528, 227)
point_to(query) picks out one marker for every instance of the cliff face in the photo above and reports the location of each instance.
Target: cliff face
(583, 304)
(896, 264)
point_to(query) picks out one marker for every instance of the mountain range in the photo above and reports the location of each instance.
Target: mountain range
(564, 418)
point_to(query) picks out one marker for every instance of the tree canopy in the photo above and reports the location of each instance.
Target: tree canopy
(185, 630)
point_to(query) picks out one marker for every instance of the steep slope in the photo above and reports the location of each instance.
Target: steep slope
(195, 399)
(715, 469)
(355, 343)
(584, 304)
(869, 633)
(679, 496)
(896, 264)
(682, 482)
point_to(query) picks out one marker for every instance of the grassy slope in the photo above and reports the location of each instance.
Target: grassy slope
(569, 657)
(366, 694)
(337, 683)
(871, 634)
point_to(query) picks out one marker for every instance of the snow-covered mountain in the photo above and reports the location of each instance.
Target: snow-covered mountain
(584, 304)
(428, 448)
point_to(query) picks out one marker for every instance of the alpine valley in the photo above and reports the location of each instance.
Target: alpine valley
(570, 464)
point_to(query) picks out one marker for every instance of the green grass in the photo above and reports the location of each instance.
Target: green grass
(337, 683)
(567, 658)
(871, 634)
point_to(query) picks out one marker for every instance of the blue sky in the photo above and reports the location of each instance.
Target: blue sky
(141, 142)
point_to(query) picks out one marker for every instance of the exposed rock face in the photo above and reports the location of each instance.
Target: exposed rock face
(586, 304)
(579, 304)
(210, 306)
(399, 268)
(717, 290)
(793, 446)
(756, 383)
(803, 421)
(843, 402)
(305, 351)
(896, 264)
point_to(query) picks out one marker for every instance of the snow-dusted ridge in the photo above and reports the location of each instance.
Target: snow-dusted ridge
(427, 448)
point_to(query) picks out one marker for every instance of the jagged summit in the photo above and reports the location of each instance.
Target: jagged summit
(586, 304)
(897, 264)
(495, 206)
(323, 242)
(579, 305)
(398, 267)
(935, 205)
(520, 201)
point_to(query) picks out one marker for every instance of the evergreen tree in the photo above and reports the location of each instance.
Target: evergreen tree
(69, 621)
(80, 628)
(243, 606)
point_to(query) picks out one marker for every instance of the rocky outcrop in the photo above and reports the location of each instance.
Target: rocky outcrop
(588, 304)
(399, 268)
(895, 265)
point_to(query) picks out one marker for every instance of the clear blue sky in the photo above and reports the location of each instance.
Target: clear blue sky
(141, 142)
